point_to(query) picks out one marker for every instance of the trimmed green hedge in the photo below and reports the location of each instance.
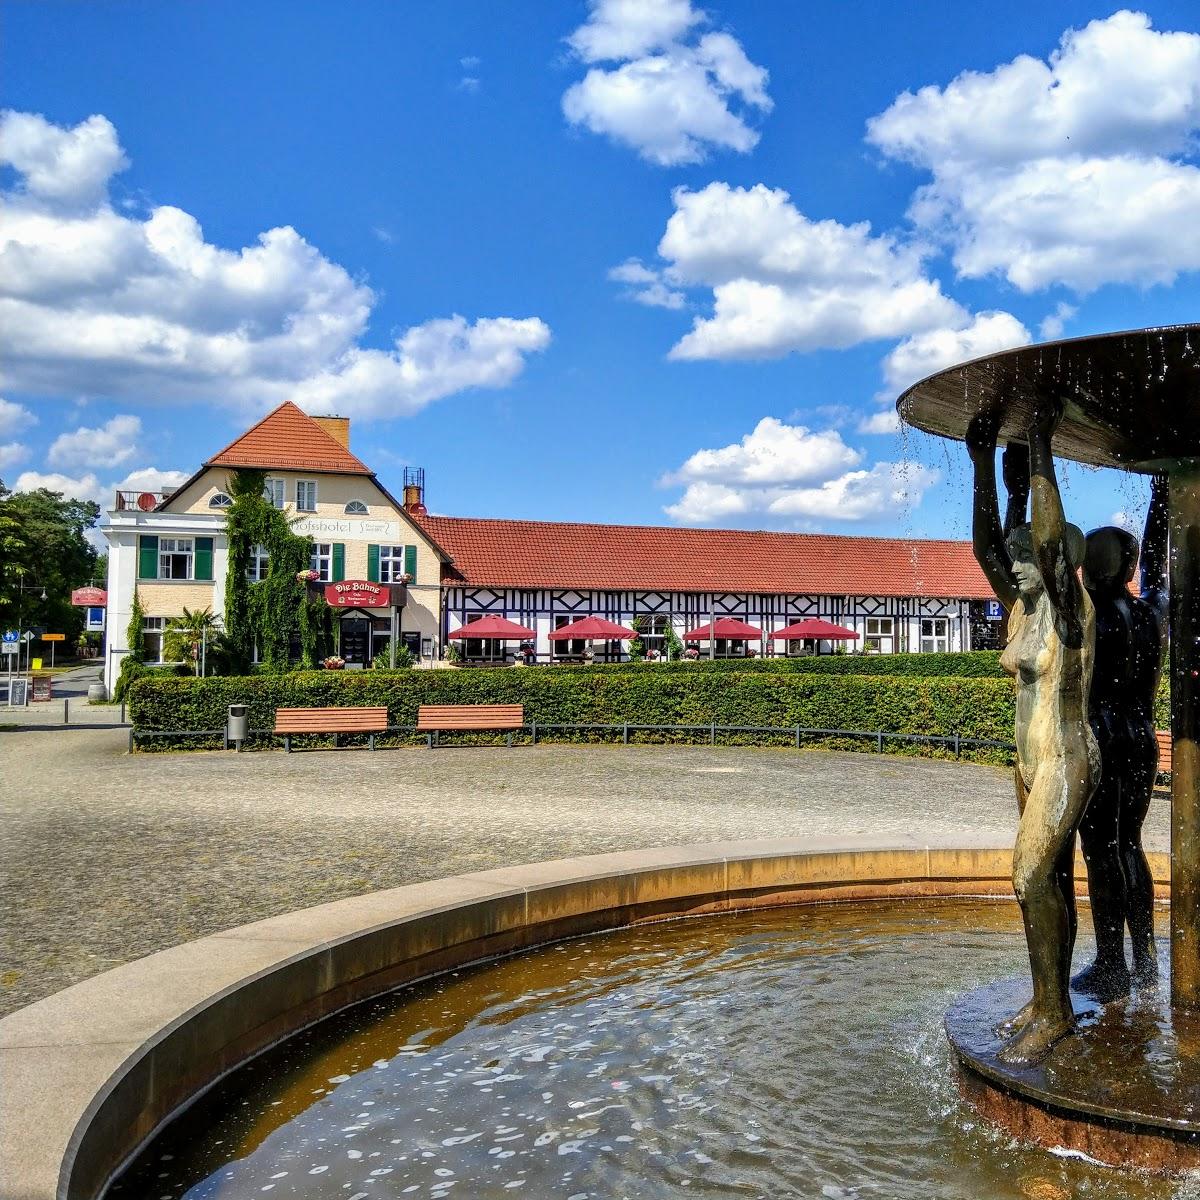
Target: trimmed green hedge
(966, 665)
(972, 707)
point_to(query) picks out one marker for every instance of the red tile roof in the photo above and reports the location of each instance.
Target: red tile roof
(552, 554)
(289, 439)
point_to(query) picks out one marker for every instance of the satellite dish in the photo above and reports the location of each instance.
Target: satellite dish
(147, 501)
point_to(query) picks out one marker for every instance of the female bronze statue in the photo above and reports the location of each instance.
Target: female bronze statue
(1129, 641)
(1051, 632)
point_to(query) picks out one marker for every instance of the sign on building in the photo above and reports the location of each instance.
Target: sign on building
(358, 593)
(993, 610)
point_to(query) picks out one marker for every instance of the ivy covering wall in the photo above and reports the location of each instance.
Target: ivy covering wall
(272, 613)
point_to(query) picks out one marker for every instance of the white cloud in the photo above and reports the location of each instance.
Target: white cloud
(670, 98)
(790, 473)
(1053, 324)
(83, 487)
(99, 303)
(113, 443)
(151, 479)
(936, 349)
(15, 418)
(12, 453)
(782, 282)
(646, 285)
(772, 453)
(1071, 171)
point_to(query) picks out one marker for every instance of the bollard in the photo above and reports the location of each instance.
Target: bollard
(797, 737)
(957, 743)
(533, 731)
(712, 734)
(66, 711)
(625, 733)
(122, 712)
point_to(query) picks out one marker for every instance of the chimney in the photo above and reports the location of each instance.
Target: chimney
(414, 491)
(338, 428)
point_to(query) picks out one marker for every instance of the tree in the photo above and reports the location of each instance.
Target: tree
(44, 548)
(186, 637)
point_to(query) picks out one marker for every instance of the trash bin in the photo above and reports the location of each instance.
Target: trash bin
(238, 728)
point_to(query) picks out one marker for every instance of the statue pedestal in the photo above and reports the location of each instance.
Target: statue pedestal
(1124, 1089)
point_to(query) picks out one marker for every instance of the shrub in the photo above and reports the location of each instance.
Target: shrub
(967, 665)
(654, 695)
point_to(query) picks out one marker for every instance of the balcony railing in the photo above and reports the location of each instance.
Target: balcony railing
(146, 501)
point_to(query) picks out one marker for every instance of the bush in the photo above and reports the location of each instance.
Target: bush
(964, 665)
(650, 695)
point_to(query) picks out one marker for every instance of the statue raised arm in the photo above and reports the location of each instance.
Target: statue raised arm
(1051, 629)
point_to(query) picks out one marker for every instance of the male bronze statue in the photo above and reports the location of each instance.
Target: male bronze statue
(1050, 646)
(1129, 639)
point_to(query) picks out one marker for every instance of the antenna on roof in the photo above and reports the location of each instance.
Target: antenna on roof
(414, 491)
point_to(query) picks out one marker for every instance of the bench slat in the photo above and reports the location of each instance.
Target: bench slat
(448, 717)
(331, 720)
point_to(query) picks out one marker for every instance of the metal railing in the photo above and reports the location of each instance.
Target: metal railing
(537, 730)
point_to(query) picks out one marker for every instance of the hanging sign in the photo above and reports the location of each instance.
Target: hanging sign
(87, 597)
(358, 593)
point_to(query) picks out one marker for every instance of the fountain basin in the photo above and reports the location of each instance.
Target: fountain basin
(91, 1073)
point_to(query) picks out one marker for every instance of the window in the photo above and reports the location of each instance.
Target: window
(273, 492)
(175, 558)
(568, 647)
(152, 635)
(219, 500)
(652, 629)
(256, 569)
(322, 560)
(391, 564)
(935, 635)
(356, 508)
(880, 636)
(306, 495)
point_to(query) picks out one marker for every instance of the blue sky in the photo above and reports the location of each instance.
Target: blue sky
(626, 261)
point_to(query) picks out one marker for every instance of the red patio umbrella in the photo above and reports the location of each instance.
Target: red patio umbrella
(492, 627)
(813, 627)
(593, 629)
(729, 628)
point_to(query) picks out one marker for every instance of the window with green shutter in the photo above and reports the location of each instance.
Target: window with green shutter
(373, 564)
(339, 561)
(148, 556)
(410, 562)
(204, 558)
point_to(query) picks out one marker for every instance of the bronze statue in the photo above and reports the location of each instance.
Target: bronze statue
(1051, 637)
(1129, 640)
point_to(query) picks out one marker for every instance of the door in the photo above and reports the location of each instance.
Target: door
(356, 640)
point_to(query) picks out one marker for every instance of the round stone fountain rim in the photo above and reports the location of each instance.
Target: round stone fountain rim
(1125, 419)
(91, 1073)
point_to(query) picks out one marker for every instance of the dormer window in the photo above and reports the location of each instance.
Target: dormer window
(356, 508)
(219, 500)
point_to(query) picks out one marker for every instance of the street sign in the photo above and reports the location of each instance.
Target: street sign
(993, 610)
(10, 647)
(54, 637)
(11, 635)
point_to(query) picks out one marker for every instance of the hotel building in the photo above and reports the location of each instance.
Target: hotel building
(417, 577)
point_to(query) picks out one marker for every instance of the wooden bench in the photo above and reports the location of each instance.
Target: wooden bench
(433, 719)
(291, 721)
(1165, 751)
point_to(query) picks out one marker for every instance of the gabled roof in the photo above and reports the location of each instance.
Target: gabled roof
(288, 439)
(551, 554)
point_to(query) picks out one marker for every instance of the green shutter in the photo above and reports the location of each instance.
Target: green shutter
(148, 556)
(410, 562)
(373, 564)
(204, 556)
(339, 561)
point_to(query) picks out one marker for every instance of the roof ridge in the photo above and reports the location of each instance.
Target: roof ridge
(848, 537)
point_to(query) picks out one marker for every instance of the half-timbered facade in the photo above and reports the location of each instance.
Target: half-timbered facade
(896, 594)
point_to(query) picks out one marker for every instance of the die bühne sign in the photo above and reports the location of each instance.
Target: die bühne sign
(358, 593)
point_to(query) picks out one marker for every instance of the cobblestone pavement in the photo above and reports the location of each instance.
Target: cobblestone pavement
(105, 856)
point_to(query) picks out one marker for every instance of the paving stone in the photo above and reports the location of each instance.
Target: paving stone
(105, 857)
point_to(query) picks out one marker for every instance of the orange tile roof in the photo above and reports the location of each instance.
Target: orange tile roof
(552, 554)
(289, 439)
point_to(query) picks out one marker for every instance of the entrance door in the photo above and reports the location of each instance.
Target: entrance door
(356, 640)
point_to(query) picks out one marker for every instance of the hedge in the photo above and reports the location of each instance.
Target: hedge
(971, 707)
(964, 664)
